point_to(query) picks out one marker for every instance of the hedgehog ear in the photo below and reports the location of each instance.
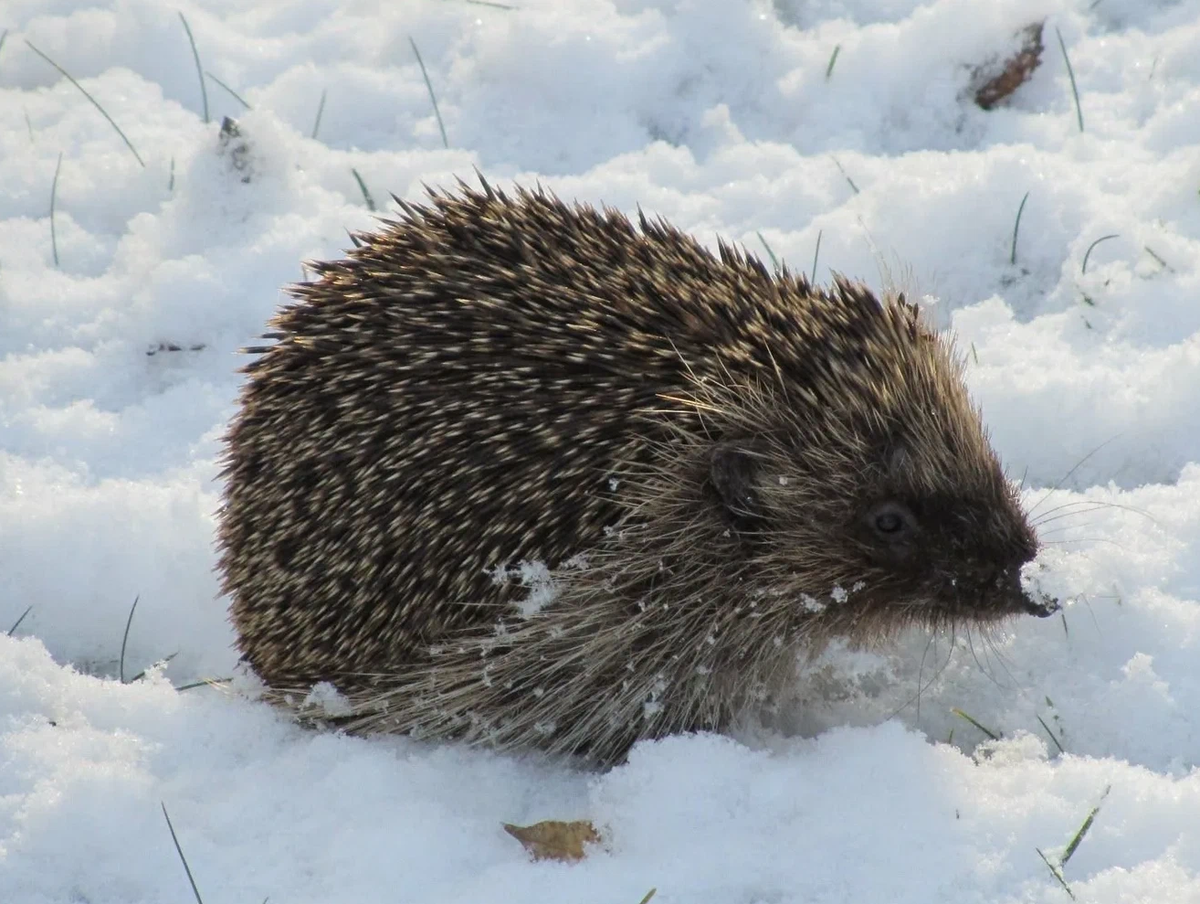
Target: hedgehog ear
(731, 470)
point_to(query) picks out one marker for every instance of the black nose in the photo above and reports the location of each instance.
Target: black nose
(1038, 604)
(1042, 607)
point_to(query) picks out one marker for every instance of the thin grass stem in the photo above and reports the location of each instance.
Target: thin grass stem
(1070, 74)
(987, 731)
(187, 869)
(17, 623)
(770, 253)
(1012, 256)
(53, 196)
(1088, 253)
(95, 103)
(432, 98)
(320, 110)
(241, 100)
(125, 639)
(832, 59)
(199, 70)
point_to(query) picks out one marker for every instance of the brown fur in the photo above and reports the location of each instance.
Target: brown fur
(707, 456)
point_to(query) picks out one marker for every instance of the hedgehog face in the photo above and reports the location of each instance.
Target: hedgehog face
(956, 558)
(892, 552)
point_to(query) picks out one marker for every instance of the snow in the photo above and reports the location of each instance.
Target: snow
(718, 115)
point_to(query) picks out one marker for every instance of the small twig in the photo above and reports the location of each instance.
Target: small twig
(490, 3)
(171, 180)
(3, 38)
(1012, 257)
(770, 253)
(199, 70)
(320, 110)
(187, 869)
(17, 623)
(1088, 253)
(28, 124)
(125, 639)
(816, 254)
(241, 100)
(832, 59)
(987, 731)
(95, 103)
(1071, 75)
(433, 99)
(53, 194)
(649, 895)
(362, 186)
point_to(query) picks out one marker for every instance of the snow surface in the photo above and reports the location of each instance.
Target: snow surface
(719, 115)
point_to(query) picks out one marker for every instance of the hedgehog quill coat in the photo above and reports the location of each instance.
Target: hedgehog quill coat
(716, 466)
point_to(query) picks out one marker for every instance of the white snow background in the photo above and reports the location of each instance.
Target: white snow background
(725, 117)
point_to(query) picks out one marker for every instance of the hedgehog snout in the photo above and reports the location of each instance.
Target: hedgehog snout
(1008, 586)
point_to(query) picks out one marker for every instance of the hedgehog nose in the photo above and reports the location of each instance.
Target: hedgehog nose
(1042, 608)
(1039, 604)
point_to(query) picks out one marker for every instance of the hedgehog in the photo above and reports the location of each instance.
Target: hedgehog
(524, 473)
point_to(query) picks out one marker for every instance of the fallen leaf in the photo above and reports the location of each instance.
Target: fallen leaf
(554, 839)
(1014, 72)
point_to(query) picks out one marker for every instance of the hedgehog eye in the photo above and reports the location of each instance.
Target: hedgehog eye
(892, 521)
(889, 523)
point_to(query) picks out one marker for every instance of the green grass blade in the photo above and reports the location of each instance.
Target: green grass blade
(362, 186)
(17, 623)
(199, 70)
(320, 110)
(95, 103)
(433, 99)
(1088, 253)
(125, 639)
(231, 92)
(53, 195)
(1071, 74)
(187, 869)
(1012, 257)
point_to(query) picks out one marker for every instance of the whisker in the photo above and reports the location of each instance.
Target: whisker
(1003, 660)
(982, 668)
(1067, 476)
(1064, 527)
(1095, 505)
(921, 688)
(920, 670)
(1086, 540)
(1092, 612)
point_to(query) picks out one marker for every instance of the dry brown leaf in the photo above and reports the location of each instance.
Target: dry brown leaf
(553, 839)
(1013, 72)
